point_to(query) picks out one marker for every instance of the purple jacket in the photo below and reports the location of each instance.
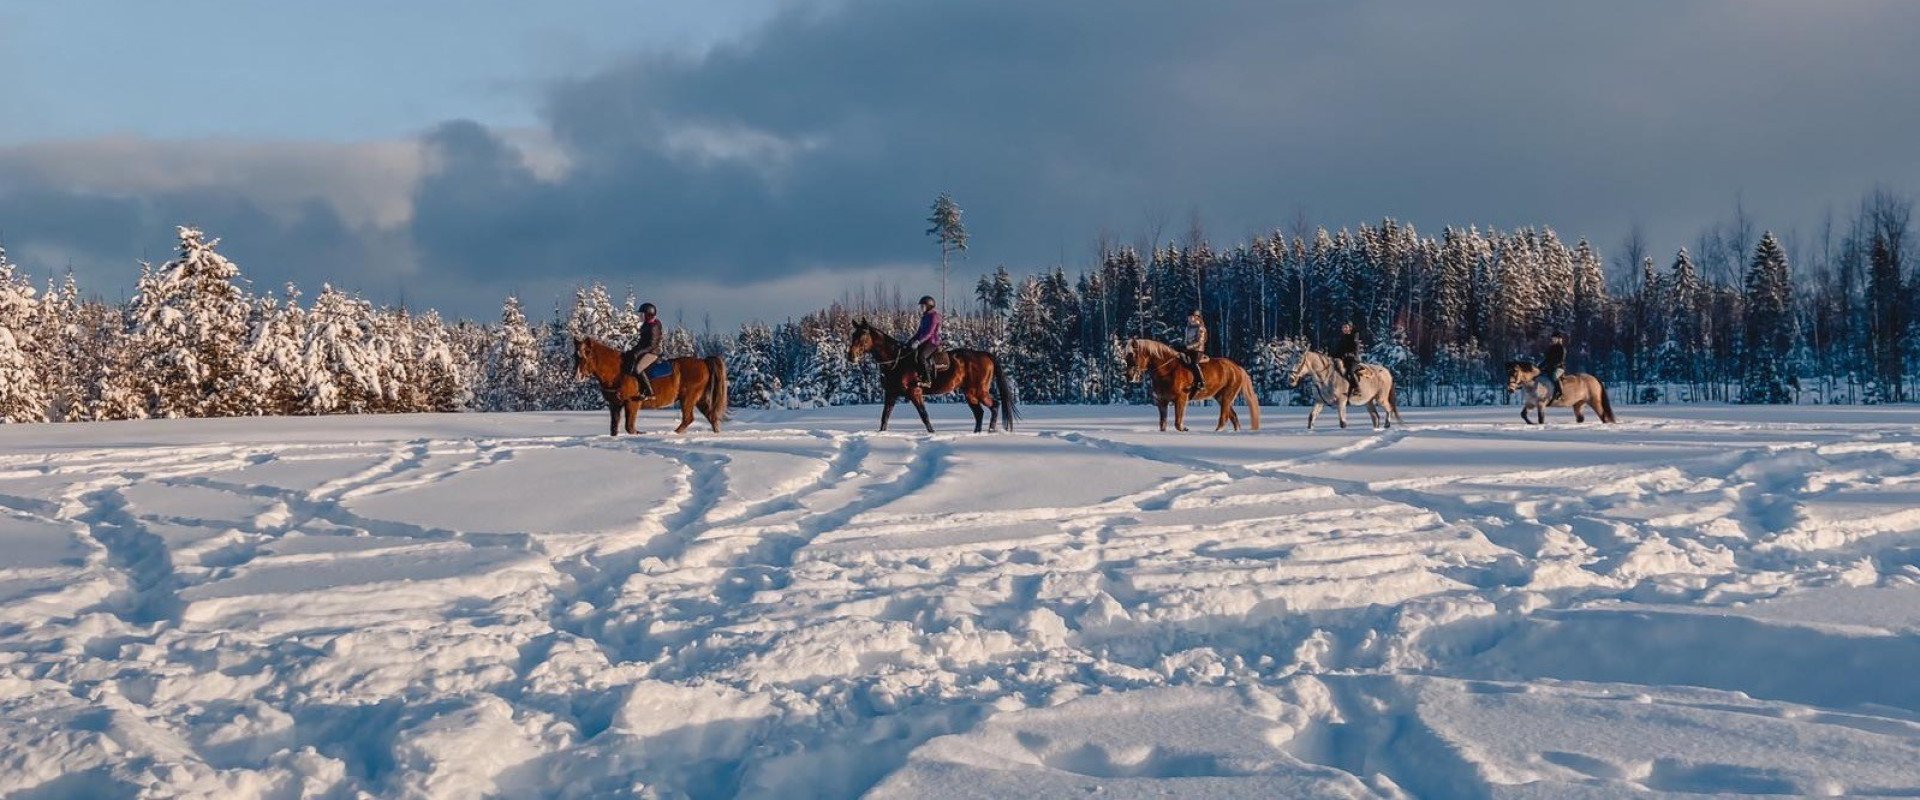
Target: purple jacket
(929, 329)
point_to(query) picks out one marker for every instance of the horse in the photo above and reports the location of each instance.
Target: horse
(1173, 383)
(1576, 389)
(1330, 388)
(693, 383)
(973, 373)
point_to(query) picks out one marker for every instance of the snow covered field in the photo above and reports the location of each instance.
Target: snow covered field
(1697, 599)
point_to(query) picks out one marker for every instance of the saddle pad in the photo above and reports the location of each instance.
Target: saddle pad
(660, 369)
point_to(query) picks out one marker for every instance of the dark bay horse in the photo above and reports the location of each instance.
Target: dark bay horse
(694, 383)
(1173, 383)
(973, 373)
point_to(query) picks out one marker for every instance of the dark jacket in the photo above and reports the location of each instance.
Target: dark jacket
(1556, 358)
(650, 338)
(1349, 346)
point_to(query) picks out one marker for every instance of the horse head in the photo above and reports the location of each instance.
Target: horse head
(582, 348)
(1519, 372)
(860, 340)
(1299, 368)
(1136, 361)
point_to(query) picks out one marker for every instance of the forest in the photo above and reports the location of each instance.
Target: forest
(1740, 315)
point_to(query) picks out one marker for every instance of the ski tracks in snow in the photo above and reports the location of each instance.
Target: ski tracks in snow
(781, 612)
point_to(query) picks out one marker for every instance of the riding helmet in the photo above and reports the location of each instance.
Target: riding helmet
(647, 308)
(926, 299)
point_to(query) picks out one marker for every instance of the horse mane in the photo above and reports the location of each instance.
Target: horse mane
(1513, 365)
(861, 324)
(1155, 349)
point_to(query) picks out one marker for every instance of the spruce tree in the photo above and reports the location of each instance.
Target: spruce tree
(190, 330)
(23, 395)
(1769, 326)
(512, 370)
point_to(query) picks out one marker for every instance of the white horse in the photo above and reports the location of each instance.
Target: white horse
(1330, 388)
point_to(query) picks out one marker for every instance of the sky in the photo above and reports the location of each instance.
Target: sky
(757, 158)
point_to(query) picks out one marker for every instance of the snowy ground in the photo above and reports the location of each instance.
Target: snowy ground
(1697, 599)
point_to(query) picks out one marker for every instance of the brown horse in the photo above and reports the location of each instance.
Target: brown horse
(1173, 383)
(973, 373)
(1576, 389)
(694, 383)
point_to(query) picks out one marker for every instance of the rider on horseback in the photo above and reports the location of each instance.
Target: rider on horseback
(926, 341)
(1554, 364)
(646, 351)
(1195, 349)
(1347, 352)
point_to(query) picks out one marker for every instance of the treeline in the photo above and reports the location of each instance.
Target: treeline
(1738, 317)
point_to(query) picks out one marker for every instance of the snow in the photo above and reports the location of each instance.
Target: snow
(1698, 599)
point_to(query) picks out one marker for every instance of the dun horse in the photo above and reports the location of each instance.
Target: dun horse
(1173, 383)
(694, 383)
(1576, 389)
(976, 374)
(1330, 388)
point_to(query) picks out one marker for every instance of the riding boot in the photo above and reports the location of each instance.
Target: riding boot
(1199, 378)
(646, 386)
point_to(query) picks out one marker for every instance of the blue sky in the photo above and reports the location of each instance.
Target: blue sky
(758, 158)
(341, 70)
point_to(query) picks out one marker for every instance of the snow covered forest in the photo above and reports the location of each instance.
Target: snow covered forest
(1740, 316)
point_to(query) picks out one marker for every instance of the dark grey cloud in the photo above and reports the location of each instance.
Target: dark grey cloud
(821, 140)
(818, 142)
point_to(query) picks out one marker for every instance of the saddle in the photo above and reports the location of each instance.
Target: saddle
(659, 369)
(941, 361)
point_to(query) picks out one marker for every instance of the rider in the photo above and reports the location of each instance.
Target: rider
(1554, 364)
(1195, 346)
(647, 351)
(926, 340)
(1347, 352)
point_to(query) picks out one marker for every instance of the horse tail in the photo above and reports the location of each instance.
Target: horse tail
(1393, 406)
(1606, 404)
(1003, 394)
(717, 388)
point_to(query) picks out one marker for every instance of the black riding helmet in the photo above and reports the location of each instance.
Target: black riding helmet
(647, 308)
(926, 300)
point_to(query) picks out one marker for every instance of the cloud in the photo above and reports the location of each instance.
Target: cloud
(808, 152)
(821, 140)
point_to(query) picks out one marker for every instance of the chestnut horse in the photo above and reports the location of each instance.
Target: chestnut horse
(973, 373)
(694, 383)
(1173, 383)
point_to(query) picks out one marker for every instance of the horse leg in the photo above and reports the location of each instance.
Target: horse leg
(1163, 413)
(1180, 414)
(613, 419)
(920, 405)
(1341, 407)
(979, 414)
(686, 415)
(1373, 413)
(1226, 412)
(886, 412)
(633, 410)
(1315, 413)
(1578, 415)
